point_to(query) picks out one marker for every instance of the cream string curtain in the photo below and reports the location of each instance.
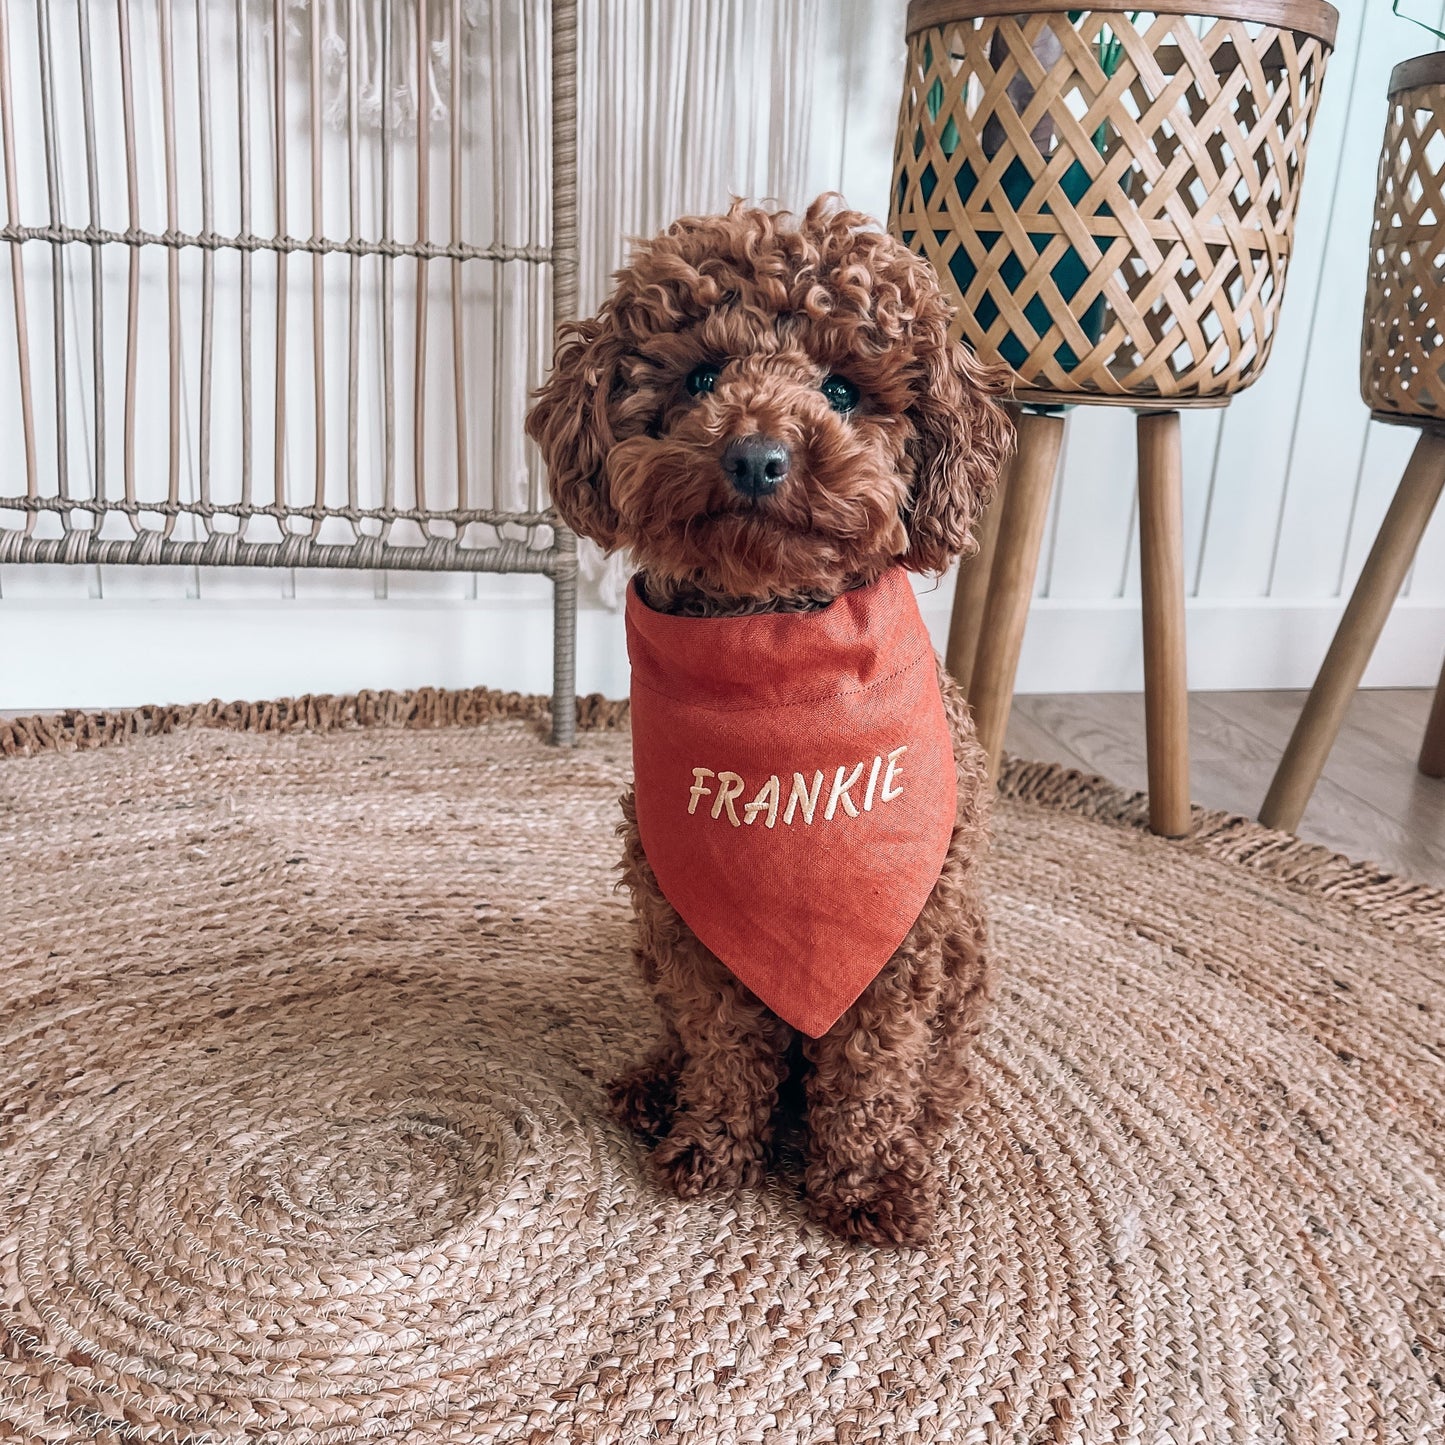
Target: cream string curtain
(378, 84)
(681, 106)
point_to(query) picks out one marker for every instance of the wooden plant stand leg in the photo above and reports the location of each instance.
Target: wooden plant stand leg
(970, 590)
(1161, 557)
(1359, 630)
(1011, 580)
(1432, 750)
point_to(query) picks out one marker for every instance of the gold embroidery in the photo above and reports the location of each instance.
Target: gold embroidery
(872, 780)
(766, 801)
(893, 771)
(801, 794)
(839, 793)
(885, 783)
(729, 785)
(699, 788)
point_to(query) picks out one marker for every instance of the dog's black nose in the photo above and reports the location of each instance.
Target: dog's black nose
(756, 464)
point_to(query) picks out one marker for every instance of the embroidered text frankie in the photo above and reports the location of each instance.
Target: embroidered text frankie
(803, 798)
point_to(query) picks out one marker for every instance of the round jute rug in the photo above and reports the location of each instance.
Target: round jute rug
(303, 1033)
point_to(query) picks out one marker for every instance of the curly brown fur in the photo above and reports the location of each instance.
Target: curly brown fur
(778, 305)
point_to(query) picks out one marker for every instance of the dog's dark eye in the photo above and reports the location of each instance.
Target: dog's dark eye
(702, 378)
(841, 393)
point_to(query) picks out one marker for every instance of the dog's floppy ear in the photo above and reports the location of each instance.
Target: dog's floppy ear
(571, 425)
(961, 437)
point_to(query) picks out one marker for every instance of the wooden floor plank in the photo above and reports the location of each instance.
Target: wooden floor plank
(1371, 804)
(1394, 717)
(1374, 757)
(1366, 804)
(1026, 739)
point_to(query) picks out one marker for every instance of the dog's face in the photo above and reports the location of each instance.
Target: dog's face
(765, 411)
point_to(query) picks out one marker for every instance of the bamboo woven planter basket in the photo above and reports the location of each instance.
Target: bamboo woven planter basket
(1402, 344)
(1110, 198)
(1402, 379)
(1111, 203)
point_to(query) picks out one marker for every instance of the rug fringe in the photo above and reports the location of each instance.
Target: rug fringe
(1387, 898)
(427, 707)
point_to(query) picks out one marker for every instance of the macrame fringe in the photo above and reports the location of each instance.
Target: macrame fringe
(1388, 899)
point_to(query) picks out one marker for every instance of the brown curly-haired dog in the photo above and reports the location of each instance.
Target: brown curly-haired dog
(766, 413)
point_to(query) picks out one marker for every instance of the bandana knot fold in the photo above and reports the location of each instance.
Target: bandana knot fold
(795, 787)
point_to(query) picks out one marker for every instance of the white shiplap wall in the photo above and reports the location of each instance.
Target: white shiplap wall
(686, 104)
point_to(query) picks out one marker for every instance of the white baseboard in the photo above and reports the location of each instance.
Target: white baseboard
(57, 654)
(1248, 644)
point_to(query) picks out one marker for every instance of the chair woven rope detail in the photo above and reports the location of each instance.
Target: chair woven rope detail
(187, 373)
(314, 245)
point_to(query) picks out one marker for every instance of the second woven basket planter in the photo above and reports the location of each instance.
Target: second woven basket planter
(1402, 379)
(1402, 347)
(1109, 198)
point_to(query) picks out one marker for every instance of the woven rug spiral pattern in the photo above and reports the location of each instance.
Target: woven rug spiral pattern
(305, 1017)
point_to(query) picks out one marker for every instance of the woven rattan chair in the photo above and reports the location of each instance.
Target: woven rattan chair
(257, 141)
(1402, 379)
(1111, 201)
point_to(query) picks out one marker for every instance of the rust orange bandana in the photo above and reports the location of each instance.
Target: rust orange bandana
(795, 787)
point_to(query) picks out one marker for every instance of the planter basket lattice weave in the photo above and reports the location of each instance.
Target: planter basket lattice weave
(1111, 200)
(1402, 348)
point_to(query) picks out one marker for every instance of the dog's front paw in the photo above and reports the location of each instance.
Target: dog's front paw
(645, 1099)
(894, 1209)
(696, 1158)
